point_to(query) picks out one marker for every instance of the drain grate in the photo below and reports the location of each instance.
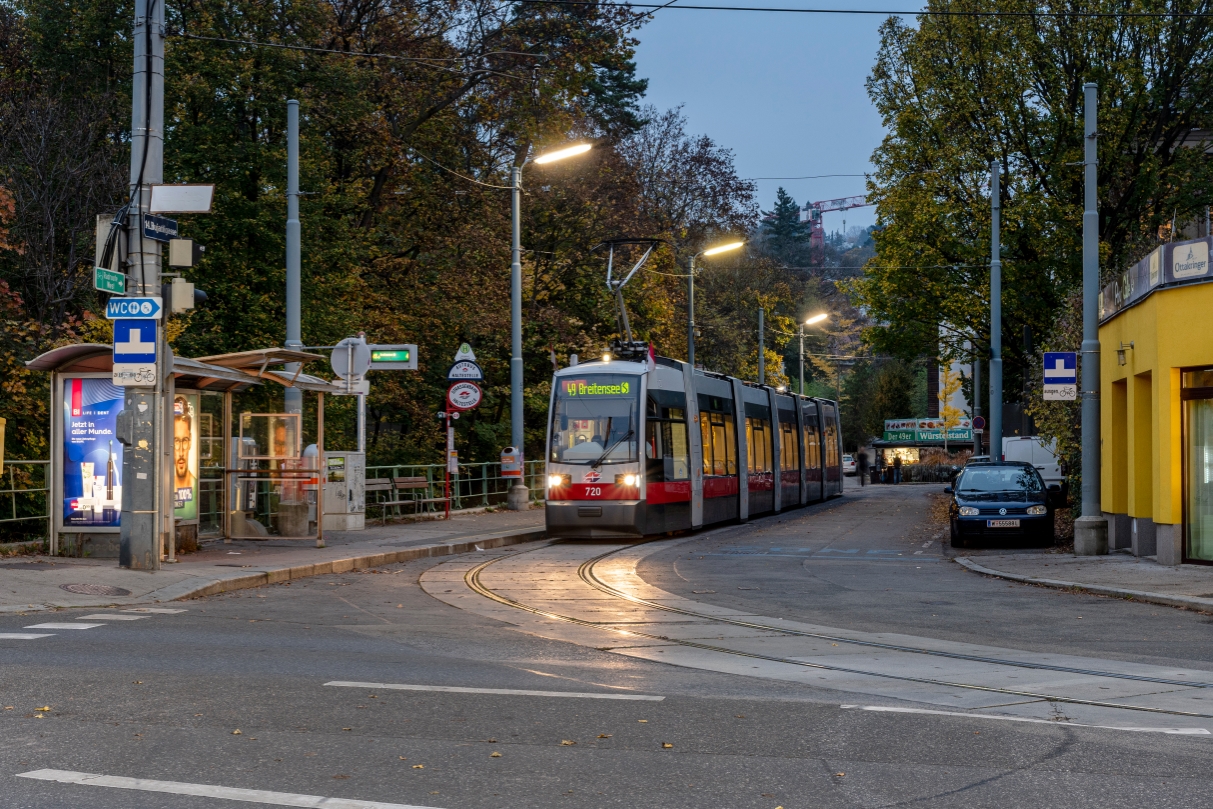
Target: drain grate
(94, 589)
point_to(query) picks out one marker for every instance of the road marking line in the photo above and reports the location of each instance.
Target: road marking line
(63, 626)
(109, 616)
(24, 635)
(155, 610)
(209, 791)
(1030, 720)
(507, 691)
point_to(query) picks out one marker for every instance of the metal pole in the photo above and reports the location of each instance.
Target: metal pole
(691, 315)
(995, 424)
(142, 523)
(762, 354)
(802, 359)
(976, 397)
(361, 422)
(518, 495)
(292, 396)
(1091, 529)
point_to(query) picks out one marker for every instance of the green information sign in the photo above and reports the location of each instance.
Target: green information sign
(109, 281)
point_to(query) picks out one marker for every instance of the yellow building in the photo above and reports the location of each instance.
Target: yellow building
(1156, 405)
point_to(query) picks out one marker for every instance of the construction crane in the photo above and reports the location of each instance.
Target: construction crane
(812, 211)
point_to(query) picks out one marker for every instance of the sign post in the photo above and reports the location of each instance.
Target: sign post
(464, 394)
(1061, 376)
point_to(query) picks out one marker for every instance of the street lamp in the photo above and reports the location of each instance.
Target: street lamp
(711, 251)
(518, 495)
(814, 319)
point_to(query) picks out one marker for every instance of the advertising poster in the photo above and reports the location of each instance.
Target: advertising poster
(92, 455)
(185, 456)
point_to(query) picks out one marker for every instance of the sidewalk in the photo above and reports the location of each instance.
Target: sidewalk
(1117, 574)
(38, 582)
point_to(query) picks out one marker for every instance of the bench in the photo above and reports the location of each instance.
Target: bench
(396, 487)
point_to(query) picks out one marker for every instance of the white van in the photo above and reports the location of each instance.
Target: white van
(1032, 449)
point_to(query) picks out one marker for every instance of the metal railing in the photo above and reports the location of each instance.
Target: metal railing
(28, 496)
(476, 485)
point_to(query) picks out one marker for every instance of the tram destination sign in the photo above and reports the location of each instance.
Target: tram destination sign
(588, 387)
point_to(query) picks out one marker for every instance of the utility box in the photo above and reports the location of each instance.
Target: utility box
(345, 491)
(511, 463)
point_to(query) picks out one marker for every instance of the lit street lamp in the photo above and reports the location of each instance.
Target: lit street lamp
(711, 251)
(809, 322)
(518, 495)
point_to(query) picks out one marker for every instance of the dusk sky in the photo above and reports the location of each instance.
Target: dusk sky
(785, 92)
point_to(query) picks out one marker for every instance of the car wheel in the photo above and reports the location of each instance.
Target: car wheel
(957, 540)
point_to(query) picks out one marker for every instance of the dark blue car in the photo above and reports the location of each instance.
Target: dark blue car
(1000, 500)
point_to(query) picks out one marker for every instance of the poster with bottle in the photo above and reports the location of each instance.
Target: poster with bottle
(185, 456)
(92, 455)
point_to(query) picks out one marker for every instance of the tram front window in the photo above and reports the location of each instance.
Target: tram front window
(596, 417)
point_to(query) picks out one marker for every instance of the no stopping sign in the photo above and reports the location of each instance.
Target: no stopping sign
(464, 395)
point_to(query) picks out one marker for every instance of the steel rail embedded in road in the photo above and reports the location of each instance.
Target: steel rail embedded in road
(472, 579)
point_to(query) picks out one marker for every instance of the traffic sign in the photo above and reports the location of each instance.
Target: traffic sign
(351, 358)
(465, 353)
(134, 353)
(1061, 376)
(109, 281)
(464, 395)
(394, 358)
(134, 308)
(465, 369)
(979, 422)
(159, 228)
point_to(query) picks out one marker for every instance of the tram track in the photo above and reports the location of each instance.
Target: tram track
(586, 573)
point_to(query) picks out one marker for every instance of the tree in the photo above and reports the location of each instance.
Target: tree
(949, 384)
(892, 395)
(784, 236)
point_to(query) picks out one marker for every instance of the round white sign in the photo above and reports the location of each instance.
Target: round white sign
(464, 395)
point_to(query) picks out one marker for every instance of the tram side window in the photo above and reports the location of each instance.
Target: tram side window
(667, 456)
(718, 453)
(831, 438)
(789, 451)
(758, 445)
(812, 447)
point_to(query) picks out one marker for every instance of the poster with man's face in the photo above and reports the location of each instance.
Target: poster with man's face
(185, 456)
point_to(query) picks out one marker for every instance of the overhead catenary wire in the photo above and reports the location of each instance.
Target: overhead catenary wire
(886, 13)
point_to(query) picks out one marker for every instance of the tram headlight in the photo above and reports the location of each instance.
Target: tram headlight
(627, 480)
(556, 481)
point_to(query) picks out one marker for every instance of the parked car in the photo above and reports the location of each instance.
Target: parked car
(1001, 500)
(848, 465)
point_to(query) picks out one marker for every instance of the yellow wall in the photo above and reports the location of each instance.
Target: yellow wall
(1140, 406)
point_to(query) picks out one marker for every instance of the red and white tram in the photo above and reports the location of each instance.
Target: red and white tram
(635, 452)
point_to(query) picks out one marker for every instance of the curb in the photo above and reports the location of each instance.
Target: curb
(1191, 602)
(200, 588)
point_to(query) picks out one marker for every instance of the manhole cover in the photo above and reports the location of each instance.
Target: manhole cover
(94, 589)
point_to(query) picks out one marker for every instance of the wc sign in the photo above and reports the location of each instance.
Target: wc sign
(1061, 376)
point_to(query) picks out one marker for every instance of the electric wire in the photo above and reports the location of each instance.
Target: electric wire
(457, 174)
(891, 13)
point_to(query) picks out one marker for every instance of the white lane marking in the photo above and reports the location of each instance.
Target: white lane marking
(926, 544)
(508, 691)
(63, 626)
(109, 616)
(209, 791)
(155, 610)
(1030, 720)
(24, 635)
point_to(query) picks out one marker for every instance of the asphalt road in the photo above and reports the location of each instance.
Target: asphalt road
(157, 701)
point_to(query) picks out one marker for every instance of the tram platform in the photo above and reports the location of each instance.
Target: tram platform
(37, 583)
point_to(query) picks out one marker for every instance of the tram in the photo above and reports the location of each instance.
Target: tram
(641, 447)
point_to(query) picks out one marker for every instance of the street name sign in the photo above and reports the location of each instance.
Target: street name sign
(109, 281)
(465, 369)
(1061, 376)
(464, 395)
(134, 352)
(159, 228)
(134, 308)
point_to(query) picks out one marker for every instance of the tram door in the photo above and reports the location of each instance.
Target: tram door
(811, 435)
(832, 446)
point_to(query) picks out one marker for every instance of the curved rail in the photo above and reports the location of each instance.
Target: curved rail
(473, 580)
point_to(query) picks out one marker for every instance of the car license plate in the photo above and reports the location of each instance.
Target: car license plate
(1002, 523)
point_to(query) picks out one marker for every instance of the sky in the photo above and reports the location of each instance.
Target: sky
(785, 92)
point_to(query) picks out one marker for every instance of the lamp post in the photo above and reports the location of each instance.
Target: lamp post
(518, 495)
(809, 322)
(711, 251)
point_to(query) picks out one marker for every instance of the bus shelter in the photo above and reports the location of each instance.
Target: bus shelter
(232, 465)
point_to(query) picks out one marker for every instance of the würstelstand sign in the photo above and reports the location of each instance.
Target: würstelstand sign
(929, 429)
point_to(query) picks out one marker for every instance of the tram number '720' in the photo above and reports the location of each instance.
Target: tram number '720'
(593, 491)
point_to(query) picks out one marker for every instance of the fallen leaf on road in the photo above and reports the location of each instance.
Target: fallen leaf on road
(43, 708)
(236, 732)
(739, 716)
(494, 755)
(666, 745)
(604, 735)
(642, 720)
(138, 682)
(341, 776)
(197, 714)
(402, 758)
(567, 743)
(8, 707)
(840, 774)
(347, 728)
(418, 766)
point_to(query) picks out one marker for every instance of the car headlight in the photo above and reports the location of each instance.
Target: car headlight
(1037, 510)
(627, 480)
(968, 511)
